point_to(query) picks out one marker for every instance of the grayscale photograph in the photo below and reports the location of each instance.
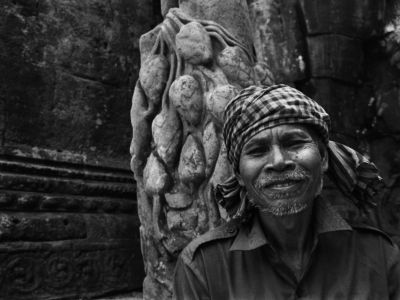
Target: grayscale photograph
(199, 149)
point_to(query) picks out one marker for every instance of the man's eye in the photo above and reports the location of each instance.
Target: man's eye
(295, 143)
(255, 151)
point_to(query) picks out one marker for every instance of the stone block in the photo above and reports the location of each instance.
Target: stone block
(68, 71)
(356, 18)
(41, 227)
(336, 56)
(343, 104)
(278, 39)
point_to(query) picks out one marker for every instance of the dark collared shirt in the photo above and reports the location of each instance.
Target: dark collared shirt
(236, 261)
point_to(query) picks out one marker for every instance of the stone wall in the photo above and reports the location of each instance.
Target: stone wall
(68, 210)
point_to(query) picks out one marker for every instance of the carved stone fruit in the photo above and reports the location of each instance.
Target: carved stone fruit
(263, 74)
(218, 99)
(153, 76)
(141, 137)
(185, 93)
(167, 135)
(156, 179)
(191, 165)
(236, 66)
(194, 44)
(211, 144)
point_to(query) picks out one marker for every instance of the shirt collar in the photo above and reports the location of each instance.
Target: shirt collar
(327, 219)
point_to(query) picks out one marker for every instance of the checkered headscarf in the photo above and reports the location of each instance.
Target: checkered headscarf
(258, 108)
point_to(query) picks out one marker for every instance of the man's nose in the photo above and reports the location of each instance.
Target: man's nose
(279, 160)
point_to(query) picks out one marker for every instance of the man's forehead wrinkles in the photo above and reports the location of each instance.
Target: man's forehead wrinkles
(280, 133)
(261, 139)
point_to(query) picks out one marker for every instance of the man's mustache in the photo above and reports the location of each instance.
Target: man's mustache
(267, 179)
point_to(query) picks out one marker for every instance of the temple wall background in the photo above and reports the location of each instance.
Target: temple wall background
(70, 209)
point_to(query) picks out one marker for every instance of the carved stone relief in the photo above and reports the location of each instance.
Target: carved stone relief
(191, 68)
(67, 230)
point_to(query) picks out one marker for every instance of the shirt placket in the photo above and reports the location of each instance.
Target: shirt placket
(287, 274)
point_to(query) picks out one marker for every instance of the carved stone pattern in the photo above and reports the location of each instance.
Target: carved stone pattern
(16, 201)
(190, 69)
(66, 273)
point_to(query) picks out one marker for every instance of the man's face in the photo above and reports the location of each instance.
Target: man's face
(282, 169)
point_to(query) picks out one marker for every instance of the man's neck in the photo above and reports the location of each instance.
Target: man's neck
(291, 236)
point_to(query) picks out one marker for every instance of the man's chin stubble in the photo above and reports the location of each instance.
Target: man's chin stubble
(283, 209)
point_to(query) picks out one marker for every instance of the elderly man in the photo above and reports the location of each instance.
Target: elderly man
(283, 240)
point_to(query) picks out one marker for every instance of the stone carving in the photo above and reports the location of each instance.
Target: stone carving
(191, 69)
(67, 271)
(66, 230)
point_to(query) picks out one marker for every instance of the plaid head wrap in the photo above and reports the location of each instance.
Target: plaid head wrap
(258, 108)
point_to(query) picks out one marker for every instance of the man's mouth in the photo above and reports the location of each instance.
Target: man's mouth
(283, 188)
(282, 185)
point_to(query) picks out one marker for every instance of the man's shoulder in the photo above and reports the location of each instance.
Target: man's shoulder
(221, 233)
(372, 231)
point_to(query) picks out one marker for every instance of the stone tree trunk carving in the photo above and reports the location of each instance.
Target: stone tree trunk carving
(191, 67)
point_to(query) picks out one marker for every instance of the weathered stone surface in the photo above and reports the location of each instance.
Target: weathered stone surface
(336, 56)
(231, 14)
(339, 100)
(211, 144)
(67, 72)
(155, 290)
(167, 4)
(198, 67)
(356, 18)
(23, 227)
(278, 39)
(68, 207)
(237, 66)
(58, 241)
(153, 76)
(186, 95)
(175, 243)
(194, 44)
(141, 134)
(167, 135)
(37, 202)
(60, 271)
(156, 179)
(182, 219)
(178, 200)
(191, 164)
(218, 99)
(69, 186)
(147, 41)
